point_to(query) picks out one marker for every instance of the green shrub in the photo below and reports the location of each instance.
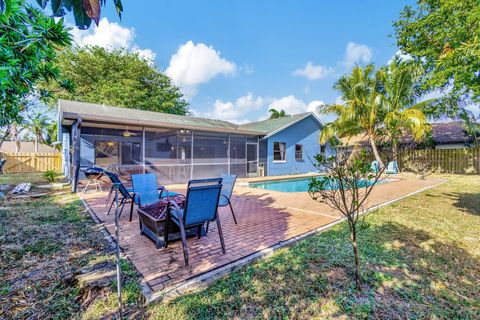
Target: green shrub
(50, 175)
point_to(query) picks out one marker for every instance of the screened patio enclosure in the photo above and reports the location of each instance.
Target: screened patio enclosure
(174, 155)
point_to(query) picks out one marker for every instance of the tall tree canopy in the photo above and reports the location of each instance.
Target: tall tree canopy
(29, 42)
(116, 77)
(402, 109)
(361, 110)
(444, 37)
(379, 104)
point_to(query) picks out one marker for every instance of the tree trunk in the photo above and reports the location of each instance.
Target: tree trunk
(358, 279)
(395, 152)
(375, 152)
(4, 137)
(36, 144)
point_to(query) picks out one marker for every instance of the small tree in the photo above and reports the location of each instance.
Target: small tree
(346, 187)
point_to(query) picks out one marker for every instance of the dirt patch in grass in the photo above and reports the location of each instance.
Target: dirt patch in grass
(44, 245)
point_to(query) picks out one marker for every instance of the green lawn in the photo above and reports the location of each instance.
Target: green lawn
(420, 257)
(44, 243)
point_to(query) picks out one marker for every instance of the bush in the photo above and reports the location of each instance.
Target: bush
(50, 175)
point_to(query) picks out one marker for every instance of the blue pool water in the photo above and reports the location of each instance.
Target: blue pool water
(288, 185)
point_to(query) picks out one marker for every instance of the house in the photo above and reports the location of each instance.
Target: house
(444, 135)
(179, 148)
(290, 143)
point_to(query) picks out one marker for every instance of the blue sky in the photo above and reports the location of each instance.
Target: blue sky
(236, 59)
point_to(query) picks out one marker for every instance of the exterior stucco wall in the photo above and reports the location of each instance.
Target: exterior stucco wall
(305, 132)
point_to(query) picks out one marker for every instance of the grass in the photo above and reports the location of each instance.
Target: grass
(44, 243)
(420, 259)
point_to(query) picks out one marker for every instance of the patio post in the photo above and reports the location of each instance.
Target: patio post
(117, 253)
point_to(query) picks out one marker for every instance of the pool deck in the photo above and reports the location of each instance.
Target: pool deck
(267, 220)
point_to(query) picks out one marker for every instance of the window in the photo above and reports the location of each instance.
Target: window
(106, 153)
(131, 153)
(279, 150)
(323, 148)
(299, 152)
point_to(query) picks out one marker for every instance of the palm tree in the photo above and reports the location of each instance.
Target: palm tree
(38, 126)
(360, 111)
(399, 97)
(274, 113)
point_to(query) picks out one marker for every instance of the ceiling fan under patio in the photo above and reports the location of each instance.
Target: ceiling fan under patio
(128, 133)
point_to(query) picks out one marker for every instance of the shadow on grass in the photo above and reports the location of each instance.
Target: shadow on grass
(407, 274)
(466, 201)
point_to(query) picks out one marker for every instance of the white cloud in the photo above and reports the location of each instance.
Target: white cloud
(313, 105)
(146, 54)
(403, 56)
(293, 105)
(290, 104)
(249, 102)
(313, 72)
(111, 35)
(248, 68)
(255, 108)
(194, 64)
(236, 112)
(357, 53)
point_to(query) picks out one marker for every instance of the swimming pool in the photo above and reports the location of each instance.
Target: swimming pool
(289, 185)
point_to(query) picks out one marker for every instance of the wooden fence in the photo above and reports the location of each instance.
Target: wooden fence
(18, 162)
(466, 160)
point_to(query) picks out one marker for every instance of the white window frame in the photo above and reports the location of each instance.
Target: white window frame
(301, 152)
(284, 152)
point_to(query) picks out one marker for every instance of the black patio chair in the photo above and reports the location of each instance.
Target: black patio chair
(200, 207)
(125, 195)
(228, 182)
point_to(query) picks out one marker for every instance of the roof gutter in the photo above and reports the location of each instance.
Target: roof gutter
(155, 124)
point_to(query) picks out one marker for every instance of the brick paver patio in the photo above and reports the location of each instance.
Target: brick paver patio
(265, 218)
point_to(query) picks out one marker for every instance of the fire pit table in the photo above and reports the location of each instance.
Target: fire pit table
(153, 221)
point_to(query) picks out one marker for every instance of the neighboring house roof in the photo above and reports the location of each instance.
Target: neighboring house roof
(273, 126)
(359, 139)
(70, 110)
(445, 133)
(25, 146)
(442, 133)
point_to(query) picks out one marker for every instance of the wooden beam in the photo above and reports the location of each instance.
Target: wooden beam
(76, 128)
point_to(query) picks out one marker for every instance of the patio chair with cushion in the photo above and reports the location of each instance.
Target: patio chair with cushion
(228, 182)
(146, 190)
(200, 207)
(375, 166)
(392, 167)
(125, 194)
